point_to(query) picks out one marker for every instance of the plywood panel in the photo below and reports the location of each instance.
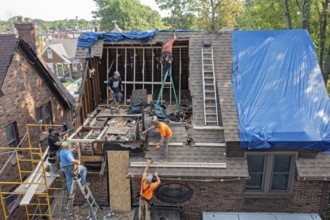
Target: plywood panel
(119, 185)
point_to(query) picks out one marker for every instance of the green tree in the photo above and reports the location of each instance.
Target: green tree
(128, 14)
(183, 13)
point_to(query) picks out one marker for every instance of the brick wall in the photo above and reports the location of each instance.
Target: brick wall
(99, 187)
(20, 107)
(228, 196)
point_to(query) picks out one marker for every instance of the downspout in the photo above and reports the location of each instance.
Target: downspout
(324, 192)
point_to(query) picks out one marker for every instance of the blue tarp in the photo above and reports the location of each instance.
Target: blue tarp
(90, 38)
(279, 91)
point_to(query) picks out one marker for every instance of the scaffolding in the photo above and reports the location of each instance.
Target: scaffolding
(34, 189)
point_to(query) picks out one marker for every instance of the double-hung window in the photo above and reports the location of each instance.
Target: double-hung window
(270, 172)
(12, 134)
(44, 114)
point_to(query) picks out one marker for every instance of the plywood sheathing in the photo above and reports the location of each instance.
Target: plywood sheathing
(119, 185)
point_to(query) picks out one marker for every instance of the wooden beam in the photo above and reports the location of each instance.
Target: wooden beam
(180, 165)
(91, 158)
(208, 127)
(102, 133)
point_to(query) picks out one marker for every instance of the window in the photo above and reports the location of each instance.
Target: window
(44, 114)
(74, 67)
(50, 54)
(12, 135)
(270, 173)
(60, 70)
(50, 67)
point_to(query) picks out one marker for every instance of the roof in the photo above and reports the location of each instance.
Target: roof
(8, 44)
(205, 155)
(317, 168)
(59, 49)
(279, 91)
(69, 45)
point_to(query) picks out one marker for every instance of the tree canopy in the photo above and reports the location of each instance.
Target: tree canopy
(128, 14)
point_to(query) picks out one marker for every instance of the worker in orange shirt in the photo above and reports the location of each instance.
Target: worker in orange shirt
(146, 192)
(165, 134)
(167, 48)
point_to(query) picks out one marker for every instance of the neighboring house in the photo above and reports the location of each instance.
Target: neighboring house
(221, 176)
(29, 94)
(59, 55)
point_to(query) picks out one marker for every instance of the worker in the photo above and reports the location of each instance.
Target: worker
(146, 192)
(165, 136)
(115, 86)
(71, 166)
(54, 144)
(167, 47)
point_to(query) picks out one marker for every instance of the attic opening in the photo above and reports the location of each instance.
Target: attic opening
(140, 68)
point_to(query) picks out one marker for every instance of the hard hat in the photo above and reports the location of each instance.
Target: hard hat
(65, 144)
(149, 178)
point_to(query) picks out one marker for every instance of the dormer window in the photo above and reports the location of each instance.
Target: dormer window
(50, 54)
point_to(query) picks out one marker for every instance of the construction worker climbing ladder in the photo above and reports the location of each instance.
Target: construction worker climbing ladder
(167, 48)
(166, 61)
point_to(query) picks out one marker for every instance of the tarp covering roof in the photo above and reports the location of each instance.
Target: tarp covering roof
(90, 38)
(279, 91)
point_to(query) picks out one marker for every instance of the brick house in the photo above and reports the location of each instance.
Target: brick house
(29, 94)
(59, 56)
(194, 191)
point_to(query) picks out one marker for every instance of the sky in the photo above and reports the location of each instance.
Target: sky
(50, 10)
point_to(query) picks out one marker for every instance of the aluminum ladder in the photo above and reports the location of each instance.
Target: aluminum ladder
(87, 195)
(209, 88)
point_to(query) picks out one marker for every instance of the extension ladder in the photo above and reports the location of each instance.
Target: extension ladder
(87, 195)
(209, 88)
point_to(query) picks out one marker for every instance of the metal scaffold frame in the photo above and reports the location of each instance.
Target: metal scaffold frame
(35, 189)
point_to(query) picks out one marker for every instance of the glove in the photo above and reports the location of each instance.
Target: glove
(158, 147)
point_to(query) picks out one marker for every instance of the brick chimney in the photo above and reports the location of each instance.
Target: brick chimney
(27, 31)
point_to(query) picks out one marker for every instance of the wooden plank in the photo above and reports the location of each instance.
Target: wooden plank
(30, 192)
(117, 130)
(91, 158)
(117, 115)
(102, 133)
(38, 168)
(119, 185)
(180, 165)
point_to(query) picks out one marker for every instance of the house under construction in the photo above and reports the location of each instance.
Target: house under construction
(231, 158)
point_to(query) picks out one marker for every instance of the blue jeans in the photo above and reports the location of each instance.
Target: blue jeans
(69, 176)
(116, 97)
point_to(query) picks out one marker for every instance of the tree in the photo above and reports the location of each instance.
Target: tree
(287, 14)
(183, 13)
(128, 14)
(323, 29)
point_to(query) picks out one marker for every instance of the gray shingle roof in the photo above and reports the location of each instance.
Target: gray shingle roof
(314, 168)
(8, 44)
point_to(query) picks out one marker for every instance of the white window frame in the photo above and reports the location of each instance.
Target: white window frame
(50, 67)
(269, 170)
(59, 64)
(74, 67)
(49, 54)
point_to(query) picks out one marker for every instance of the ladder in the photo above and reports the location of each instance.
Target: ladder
(209, 88)
(87, 195)
(168, 72)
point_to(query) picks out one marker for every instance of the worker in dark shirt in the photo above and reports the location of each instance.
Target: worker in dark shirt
(54, 144)
(115, 86)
